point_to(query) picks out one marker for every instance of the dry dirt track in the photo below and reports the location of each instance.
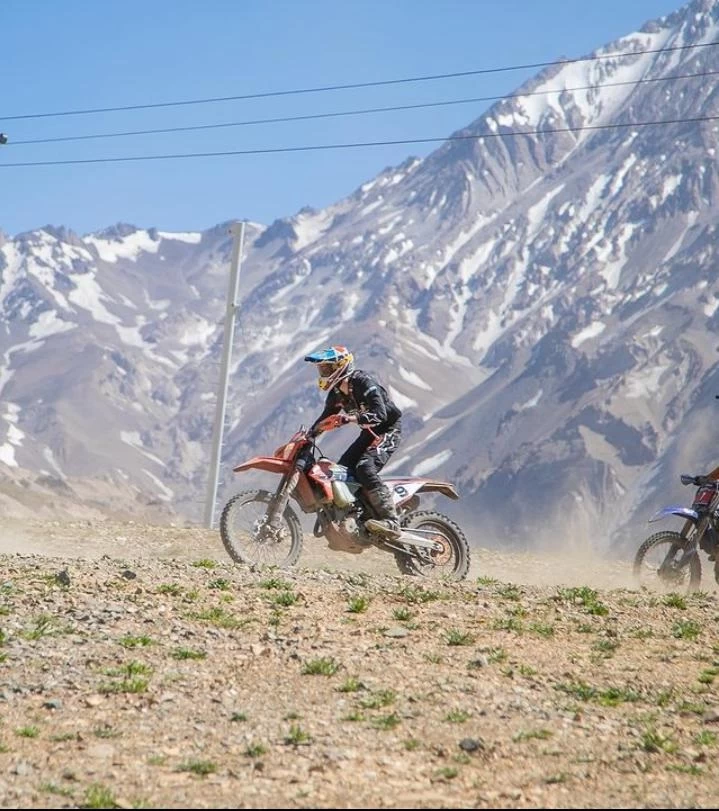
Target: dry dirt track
(140, 668)
(93, 539)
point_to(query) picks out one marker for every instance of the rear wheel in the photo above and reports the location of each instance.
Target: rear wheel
(660, 564)
(248, 538)
(450, 562)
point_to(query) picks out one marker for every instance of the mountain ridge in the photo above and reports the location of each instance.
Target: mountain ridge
(541, 306)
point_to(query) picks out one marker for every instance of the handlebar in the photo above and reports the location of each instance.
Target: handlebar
(334, 421)
(330, 423)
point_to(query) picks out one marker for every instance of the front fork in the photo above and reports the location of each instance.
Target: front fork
(281, 497)
(670, 563)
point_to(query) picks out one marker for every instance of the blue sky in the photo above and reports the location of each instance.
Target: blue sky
(67, 55)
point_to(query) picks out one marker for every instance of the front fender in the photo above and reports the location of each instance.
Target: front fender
(682, 512)
(269, 463)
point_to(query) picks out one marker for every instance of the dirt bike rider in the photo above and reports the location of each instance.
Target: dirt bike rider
(363, 400)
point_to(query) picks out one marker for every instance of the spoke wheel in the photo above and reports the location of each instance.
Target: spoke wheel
(449, 562)
(248, 538)
(656, 564)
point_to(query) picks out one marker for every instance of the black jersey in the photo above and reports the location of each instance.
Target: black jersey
(367, 400)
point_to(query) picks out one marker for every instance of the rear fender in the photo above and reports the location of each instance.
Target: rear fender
(682, 512)
(404, 489)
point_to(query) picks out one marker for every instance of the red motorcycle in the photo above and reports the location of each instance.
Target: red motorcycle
(261, 527)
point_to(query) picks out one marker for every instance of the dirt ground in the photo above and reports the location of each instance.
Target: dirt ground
(141, 668)
(93, 539)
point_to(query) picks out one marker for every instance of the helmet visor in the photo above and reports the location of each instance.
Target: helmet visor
(326, 369)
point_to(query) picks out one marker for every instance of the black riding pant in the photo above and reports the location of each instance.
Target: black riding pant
(369, 453)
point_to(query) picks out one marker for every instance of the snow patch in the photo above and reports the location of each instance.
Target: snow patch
(165, 493)
(428, 465)
(414, 379)
(591, 331)
(129, 247)
(644, 383)
(193, 237)
(403, 402)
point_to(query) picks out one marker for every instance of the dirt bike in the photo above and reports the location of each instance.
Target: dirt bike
(261, 527)
(670, 560)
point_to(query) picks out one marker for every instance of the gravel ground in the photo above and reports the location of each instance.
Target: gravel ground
(141, 668)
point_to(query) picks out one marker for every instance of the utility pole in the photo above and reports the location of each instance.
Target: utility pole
(238, 232)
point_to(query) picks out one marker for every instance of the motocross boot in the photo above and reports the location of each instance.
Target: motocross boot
(386, 523)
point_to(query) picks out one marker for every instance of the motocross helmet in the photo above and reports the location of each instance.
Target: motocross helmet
(334, 364)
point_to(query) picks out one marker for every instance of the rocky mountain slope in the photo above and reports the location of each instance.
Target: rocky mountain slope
(538, 293)
(140, 669)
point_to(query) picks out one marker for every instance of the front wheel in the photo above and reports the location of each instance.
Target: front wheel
(248, 538)
(662, 565)
(450, 562)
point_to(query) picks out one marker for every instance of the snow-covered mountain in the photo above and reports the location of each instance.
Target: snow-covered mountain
(539, 293)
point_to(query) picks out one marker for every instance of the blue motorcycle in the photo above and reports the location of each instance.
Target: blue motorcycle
(669, 561)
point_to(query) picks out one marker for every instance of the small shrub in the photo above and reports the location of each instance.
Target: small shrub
(320, 667)
(536, 734)
(417, 594)
(706, 738)
(380, 698)
(297, 736)
(204, 563)
(510, 623)
(351, 685)
(357, 605)
(173, 589)
(456, 637)
(457, 716)
(606, 646)
(541, 629)
(686, 629)
(130, 641)
(586, 597)
(285, 598)
(188, 653)
(508, 592)
(255, 750)
(653, 741)
(673, 600)
(386, 721)
(53, 788)
(276, 583)
(99, 796)
(446, 773)
(222, 619)
(199, 767)
(44, 625)
(106, 731)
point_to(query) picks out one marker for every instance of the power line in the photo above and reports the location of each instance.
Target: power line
(358, 85)
(365, 111)
(359, 144)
